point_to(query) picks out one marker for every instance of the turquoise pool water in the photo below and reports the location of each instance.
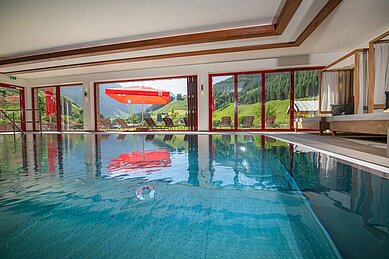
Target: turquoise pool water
(206, 196)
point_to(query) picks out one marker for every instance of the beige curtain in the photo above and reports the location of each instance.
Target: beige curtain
(381, 67)
(336, 88)
(345, 87)
(329, 86)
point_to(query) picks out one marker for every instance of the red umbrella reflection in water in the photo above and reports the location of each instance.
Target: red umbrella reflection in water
(140, 163)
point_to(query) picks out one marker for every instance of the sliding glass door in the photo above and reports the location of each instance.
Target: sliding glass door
(249, 101)
(277, 96)
(222, 103)
(306, 93)
(147, 105)
(262, 100)
(60, 107)
(45, 99)
(11, 103)
(72, 108)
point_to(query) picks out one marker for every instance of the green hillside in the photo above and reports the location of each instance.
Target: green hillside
(280, 108)
(9, 100)
(176, 104)
(176, 109)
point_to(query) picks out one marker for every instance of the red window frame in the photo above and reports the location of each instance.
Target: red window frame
(21, 101)
(58, 98)
(96, 87)
(263, 97)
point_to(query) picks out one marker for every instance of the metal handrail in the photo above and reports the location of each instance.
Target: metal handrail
(22, 110)
(12, 121)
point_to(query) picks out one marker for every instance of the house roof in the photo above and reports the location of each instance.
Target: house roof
(305, 106)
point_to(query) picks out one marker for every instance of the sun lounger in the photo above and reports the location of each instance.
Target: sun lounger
(122, 124)
(106, 124)
(313, 123)
(151, 124)
(247, 122)
(369, 123)
(169, 122)
(226, 122)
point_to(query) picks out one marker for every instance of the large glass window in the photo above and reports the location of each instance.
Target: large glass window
(277, 93)
(45, 99)
(223, 108)
(262, 100)
(143, 105)
(249, 101)
(67, 115)
(306, 95)
(10, 103)
(72, 107)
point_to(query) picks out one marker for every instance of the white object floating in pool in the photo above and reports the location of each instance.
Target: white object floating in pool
(139, 192)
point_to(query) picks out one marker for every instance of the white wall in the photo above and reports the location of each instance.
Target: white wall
(6, 80)
(201, 70)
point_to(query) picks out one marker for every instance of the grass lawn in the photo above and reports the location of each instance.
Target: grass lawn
(280, 108)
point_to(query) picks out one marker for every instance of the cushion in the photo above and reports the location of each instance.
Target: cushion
(337, 109)
(342, 109)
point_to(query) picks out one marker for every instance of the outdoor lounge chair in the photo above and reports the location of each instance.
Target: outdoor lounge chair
(169, 122)
(105, 123)
(49, 125)
(226, 122)
(247, 122)
(122, 124)
(76, 125)
(151, 124)
(186, 124)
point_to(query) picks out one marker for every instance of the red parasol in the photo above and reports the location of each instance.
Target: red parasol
(51, 104)
(139, 95)
(153, 161)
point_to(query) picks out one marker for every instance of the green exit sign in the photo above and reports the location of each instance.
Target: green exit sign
(12, 77)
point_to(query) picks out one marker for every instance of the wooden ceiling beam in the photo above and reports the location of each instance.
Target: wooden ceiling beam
(288, 10)
(171, 41)
(287, 13)
(320, 17)
(324, 12)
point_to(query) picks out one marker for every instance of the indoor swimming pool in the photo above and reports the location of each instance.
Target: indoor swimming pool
(185, 196)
